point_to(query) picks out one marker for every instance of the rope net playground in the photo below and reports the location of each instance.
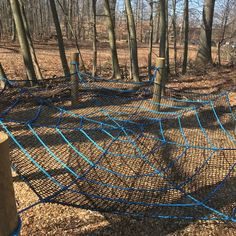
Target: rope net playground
(116, 153)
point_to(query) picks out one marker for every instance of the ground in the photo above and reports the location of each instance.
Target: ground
(51, 219)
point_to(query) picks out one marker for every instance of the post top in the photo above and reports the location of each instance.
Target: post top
(3, 137)
(75, 56)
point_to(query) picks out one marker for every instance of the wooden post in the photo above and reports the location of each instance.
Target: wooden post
(8, 212)
(2, 77)
(74, 80)
(158, 82)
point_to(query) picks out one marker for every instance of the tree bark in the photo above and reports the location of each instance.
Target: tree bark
(150, 41)
(204, 52)
(94, 38)
(31, 46)
(13, 36)
(23, 41)
(129, 48)
(70, 20)
(223, 27)
(59, 38)
(112, 41)
(174, 34)
(157, 24)
(162, 29)
(133, 40)
(113, 11)
(167, 57)
(186, 31)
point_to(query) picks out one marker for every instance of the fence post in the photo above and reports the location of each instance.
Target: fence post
(74, 79)
(8, 212)
(158, 82)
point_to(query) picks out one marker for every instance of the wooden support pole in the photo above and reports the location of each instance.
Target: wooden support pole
(8, 212)
(74, 79)
(2, 77)
(158, 83)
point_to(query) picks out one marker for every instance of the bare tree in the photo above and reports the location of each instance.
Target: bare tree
(112, 41)
(167, 56)
(94, 38)
(186, 30)
(156, 23)
(150, 39)
(133, 40)
(129, 47)
(204, 51)
(59, 38)
(162, 29)
(174, 34)
(30, 42)
(113, 11)
(223, 25)
(15, 6)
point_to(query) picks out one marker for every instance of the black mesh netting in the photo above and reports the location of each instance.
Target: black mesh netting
(117, 153)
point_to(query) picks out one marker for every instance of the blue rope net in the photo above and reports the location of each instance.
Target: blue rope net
(118, 154)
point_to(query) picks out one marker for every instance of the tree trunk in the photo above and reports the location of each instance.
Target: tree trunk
(31, 46)
(223, 27)
(13, 36)
(204, 51)
(167, 57)
(157, 24)
(48, 19)
(162, 29)
(42, 31)
(23, 41)
(141, 21)
(133, 40)
(65, 21)
(70, 20)
(174, 34)
(112, 41)
(113, 11)
(130, 58)
(186, 30)
(150, 41)
(94, 38)
(59, 38)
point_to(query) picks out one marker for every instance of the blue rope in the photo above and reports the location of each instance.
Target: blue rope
(182, 132)
(133, 133)
(52, 153)
(29, 156)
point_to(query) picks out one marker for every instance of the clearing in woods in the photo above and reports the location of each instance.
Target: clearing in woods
(52, 219)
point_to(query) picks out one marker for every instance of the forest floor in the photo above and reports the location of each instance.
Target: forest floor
(52, 219)
(215, 79)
